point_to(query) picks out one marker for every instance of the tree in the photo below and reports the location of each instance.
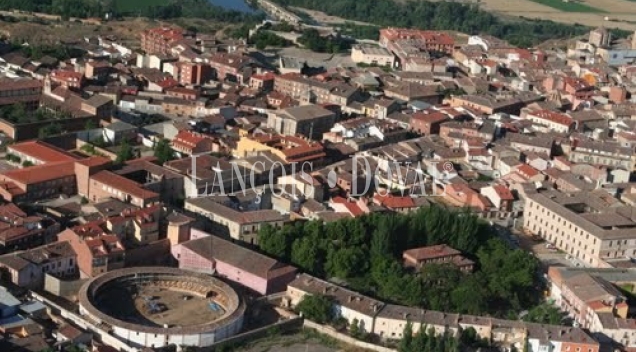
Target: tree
(545, 314)
(354, 328)
(317, 308)
(163, 152)
(407, 338)
(27, 163)
(49, 130)
(125, 153)
(275, 243)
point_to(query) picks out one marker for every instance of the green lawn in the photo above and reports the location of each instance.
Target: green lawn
(134, 5)
(571, 6)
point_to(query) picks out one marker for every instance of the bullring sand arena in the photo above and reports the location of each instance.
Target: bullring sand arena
(156, 307)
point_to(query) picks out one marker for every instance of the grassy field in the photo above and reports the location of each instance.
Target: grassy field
(134, 5)
(569, 6)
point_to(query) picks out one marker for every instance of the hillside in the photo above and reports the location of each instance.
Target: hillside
(463, 17)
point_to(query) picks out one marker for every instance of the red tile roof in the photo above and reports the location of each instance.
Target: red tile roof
(187, 139)
(42, 151)
(352, 208)
(40, 173)
(123, 184)
(394, 202)
(503, 192)
(431, 252)
(555, 117)
(527, 170)
(94, 161)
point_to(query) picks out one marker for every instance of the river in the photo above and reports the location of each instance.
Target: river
(238, 5)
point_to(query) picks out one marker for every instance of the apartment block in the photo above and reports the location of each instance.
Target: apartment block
(28, 268)
(24, 91)
(97, 250)
(608, 154)
(160, 40)
(237, 224)
(593, 227)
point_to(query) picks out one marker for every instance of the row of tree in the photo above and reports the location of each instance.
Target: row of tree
(367, 252)
(99, 8)
(312, 40)
(425, 340)
(442, 15)
(263, 38)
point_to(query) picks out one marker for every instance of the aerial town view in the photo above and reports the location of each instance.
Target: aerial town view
(317, 176)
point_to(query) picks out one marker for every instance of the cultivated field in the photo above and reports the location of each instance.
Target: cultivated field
(569, 6)
(622, 13)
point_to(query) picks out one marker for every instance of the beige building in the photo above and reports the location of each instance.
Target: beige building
(371, 55)
(308, 120)
(388, 320)
(592, 226)
(239, 225)
(609, 154)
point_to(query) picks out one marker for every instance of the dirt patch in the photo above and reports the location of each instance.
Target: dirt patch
(127, 29)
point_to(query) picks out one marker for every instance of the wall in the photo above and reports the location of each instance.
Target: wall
(291, 325)
(30, 130)
(344, 338)
(100, 334)
(63, 288)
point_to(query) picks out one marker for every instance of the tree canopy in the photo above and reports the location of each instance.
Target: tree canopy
(545, 314)
(163, 151)
(442, 15)
(367, 253)
(125, 153)
(317, 308)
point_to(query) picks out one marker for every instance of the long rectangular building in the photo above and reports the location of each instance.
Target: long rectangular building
(593, 227)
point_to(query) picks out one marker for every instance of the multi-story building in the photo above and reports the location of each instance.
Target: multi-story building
(28, 268)
(213, 255)
(140, 182)
(440, 254)
(308, 120)
(107, 184)
(97, 250)
(38, 182)
(289, 149)
(388, 320)
(39, 153)
(610, 154)
(422, 40)
(371, 55)
(309, 90)
(591, 226)
(193, 73)
(546, 121)
(491, 103)
(24, 91)
(427, 122)
(68, 79)
(231, 67)
(584, 294)
(240, 225)
(20, 231)
(160, 40)
(189, 143)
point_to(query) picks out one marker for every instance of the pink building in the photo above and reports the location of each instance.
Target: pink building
(213, 255)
